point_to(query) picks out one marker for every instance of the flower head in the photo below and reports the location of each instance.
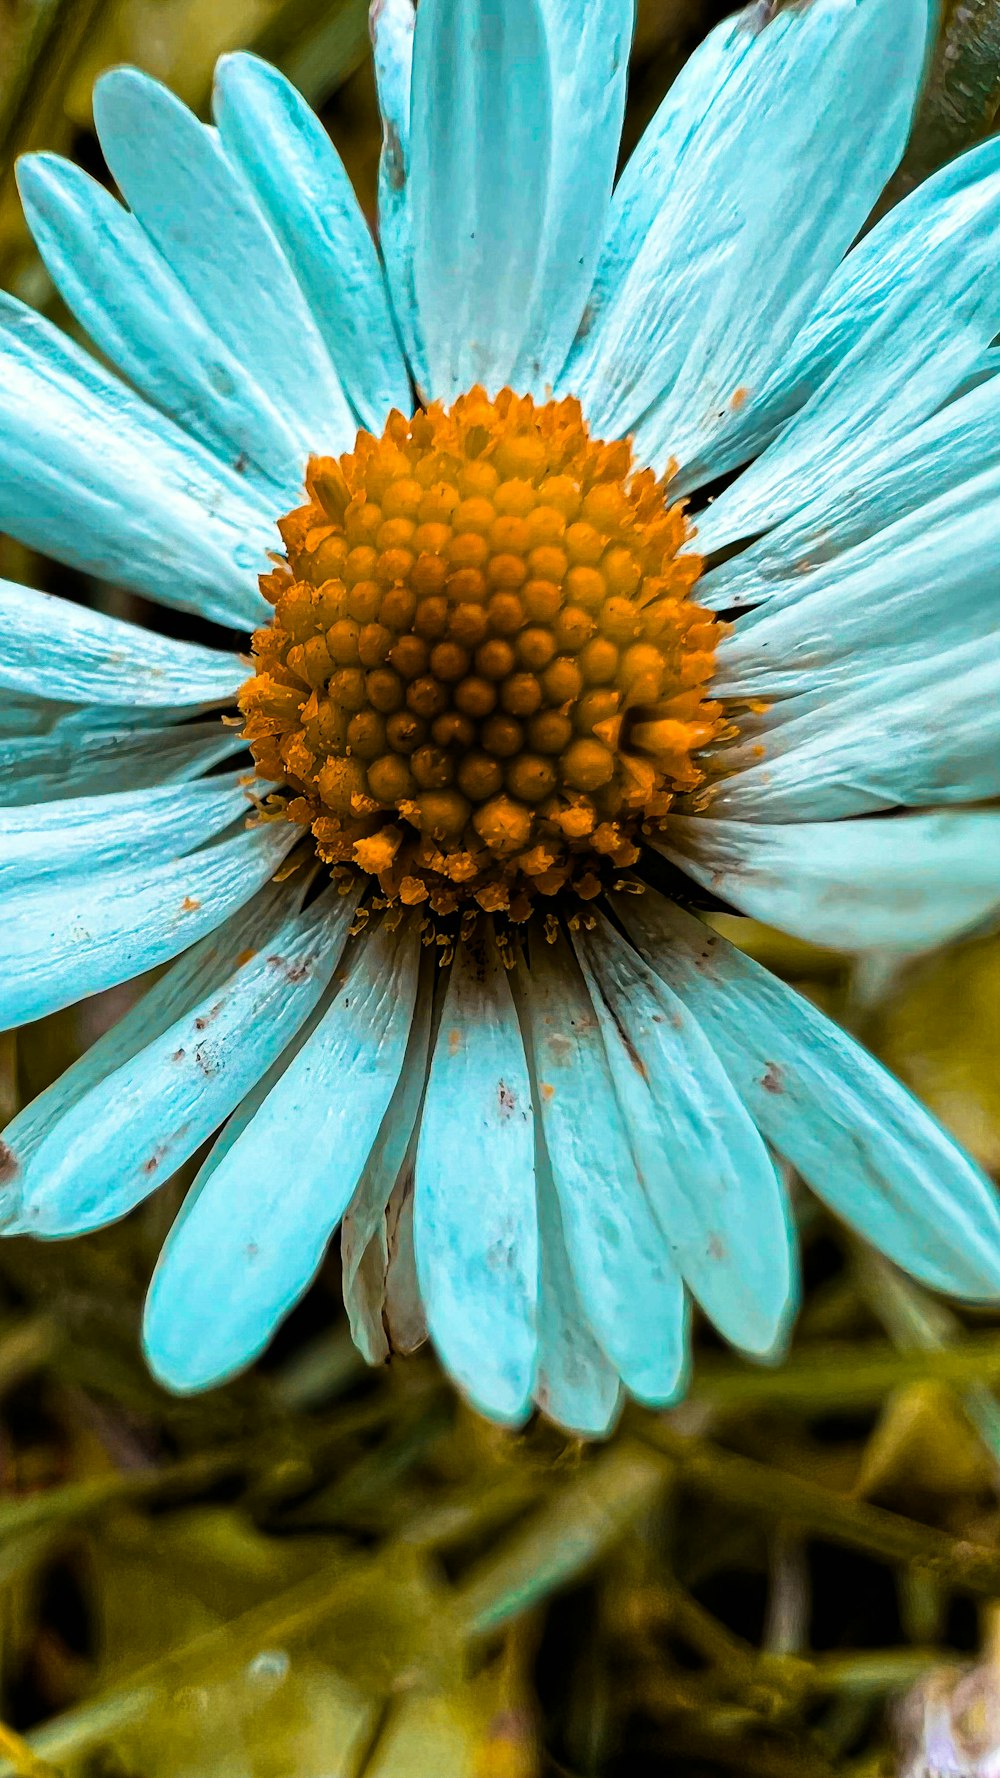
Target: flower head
(520, 699)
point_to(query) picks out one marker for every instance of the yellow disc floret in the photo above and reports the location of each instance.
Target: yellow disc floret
(486, 676)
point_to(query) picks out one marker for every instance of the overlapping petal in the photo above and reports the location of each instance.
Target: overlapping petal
(475, 1213)
(253, 1232)
(719, 247)
(897, 884)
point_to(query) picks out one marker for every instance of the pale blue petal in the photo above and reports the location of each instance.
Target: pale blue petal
(914, 353)
(22, 715)
(934, 459)
(56, 649)
(202, 970)
(364, 1234)
(92, 475)
(588, 51)
(884, 260)
(762, 168)
(194, 205)
(206, 967)
(299, 181)
(618, 1248)
(577, 1386)
(136, 1125)
(116, 284)
(63, 941)
(927, 733)
(97, 761)
(896, 885)
(705, 1168)
(926, 583)
(405, 1321)
(481, 128)
(391, 23)
(859, 1140)
(250, 1241)
(475, 1216)
(80, 835)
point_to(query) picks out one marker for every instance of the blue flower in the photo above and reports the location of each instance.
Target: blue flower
(433, 992)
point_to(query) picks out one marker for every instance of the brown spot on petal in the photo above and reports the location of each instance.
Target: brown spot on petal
(772, 1081)
(9, 1165)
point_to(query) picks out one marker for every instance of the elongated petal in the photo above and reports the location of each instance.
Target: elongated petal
(893, 885)
(481, 127)
(925, 734)
(857, 1137)
(707, 1172)
(80, 835)
(935, 459)
(885, 260)
(391, 23)
(475, 1217)
(406, 1323)
(618, 1248)
(92, 762)
(144, 1119)
(365, 1219)
(577, 1385)
(54, 648)
(92, 475)
(924, 583)
(112, 278)
(193, 204)
(299, 181)
(588, 53)
(200, 971)
(720, 245)
(249, 1244)
(929, 335)
(61, 942)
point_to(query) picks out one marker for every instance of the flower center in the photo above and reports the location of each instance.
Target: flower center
(485, 676)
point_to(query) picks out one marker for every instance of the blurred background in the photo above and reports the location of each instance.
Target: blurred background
(325, 1572)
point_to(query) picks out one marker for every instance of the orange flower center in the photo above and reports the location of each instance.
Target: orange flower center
(485, 676)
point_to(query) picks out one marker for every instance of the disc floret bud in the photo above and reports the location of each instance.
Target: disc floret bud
(486, 676)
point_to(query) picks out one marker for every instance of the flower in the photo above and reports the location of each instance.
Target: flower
(448, 987)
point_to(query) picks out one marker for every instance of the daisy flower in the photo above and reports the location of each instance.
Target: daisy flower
(521, 697)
